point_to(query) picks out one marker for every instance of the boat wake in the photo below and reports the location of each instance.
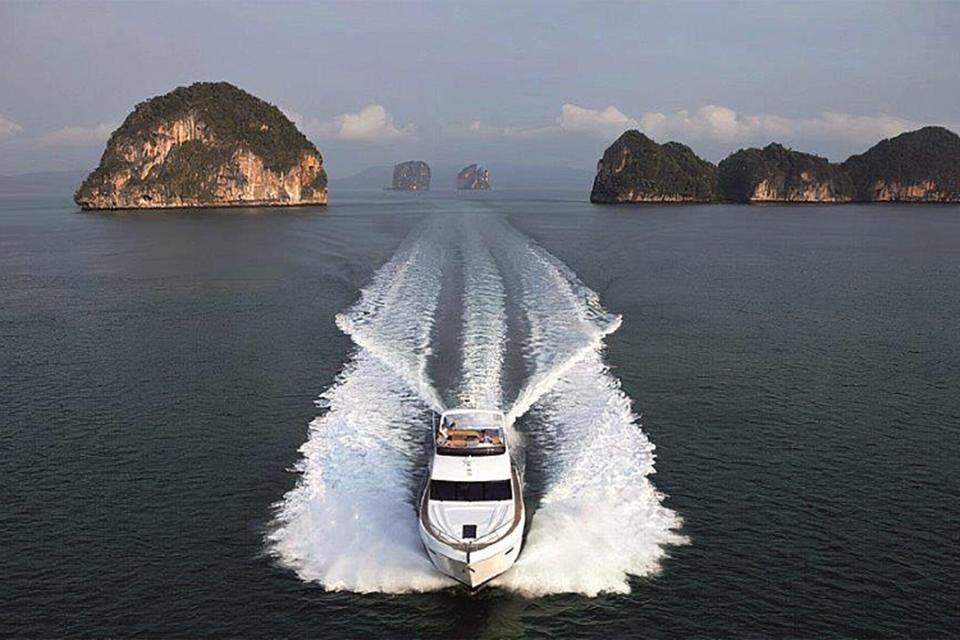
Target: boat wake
(484, 321)
(350, 523)
(600, 519)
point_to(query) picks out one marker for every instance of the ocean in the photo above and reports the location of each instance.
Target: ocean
(734, 421)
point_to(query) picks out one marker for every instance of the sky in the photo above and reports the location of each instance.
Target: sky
(377, 82)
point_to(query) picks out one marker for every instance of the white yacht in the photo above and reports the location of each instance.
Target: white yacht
(471, 505)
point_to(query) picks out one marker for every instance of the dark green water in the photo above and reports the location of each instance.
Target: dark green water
(798, 369)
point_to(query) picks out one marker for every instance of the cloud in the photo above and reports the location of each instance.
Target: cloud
(714, 123)
(477, 128)
(78, 136)
(601, 122)
(373, 122)
(8, 127)
(580, 119)
(722, 124)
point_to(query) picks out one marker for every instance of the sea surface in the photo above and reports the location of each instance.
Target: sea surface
(734, 421)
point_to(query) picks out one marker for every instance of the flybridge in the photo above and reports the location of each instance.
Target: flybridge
(466, 432)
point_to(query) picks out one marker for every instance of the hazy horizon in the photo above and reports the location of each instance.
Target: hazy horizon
(493, 83)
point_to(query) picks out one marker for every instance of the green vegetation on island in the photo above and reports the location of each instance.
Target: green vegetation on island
(208, 144)
(778, 174)
(918, 166)
(921, 165)
(637, 169)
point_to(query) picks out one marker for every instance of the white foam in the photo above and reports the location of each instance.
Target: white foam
(565, 317)
(484, 321)
(393, 319)
(350, 523)
(598, 502)
(600, 520)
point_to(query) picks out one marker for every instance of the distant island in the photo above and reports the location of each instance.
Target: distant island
(637, 169)
(917, 166)
(413, 175)
(206, 145)
(508, 175)
(473, 178)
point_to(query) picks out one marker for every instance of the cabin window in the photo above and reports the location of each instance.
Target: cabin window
(470, 491)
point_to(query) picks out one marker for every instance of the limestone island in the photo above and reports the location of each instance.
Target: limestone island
(918, 166)
(207, 145)
(637, 169)
(411, 176)
(473, 178)
(778, 174)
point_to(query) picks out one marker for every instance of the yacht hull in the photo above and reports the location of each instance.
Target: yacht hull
(470, 508)
(474, 569)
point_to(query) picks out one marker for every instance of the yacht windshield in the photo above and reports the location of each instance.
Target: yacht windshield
(470, 491)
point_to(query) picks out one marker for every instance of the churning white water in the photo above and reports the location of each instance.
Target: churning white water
(600, 518)
(393, 319)
(350, 522)
(484, 321)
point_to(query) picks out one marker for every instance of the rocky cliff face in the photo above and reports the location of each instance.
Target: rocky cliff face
(918, 166)
(411, 176)
(473, 177)
(637, 169)
(778, 174)
(206, 145)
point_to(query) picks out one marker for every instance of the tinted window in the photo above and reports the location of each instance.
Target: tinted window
(470, 491)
